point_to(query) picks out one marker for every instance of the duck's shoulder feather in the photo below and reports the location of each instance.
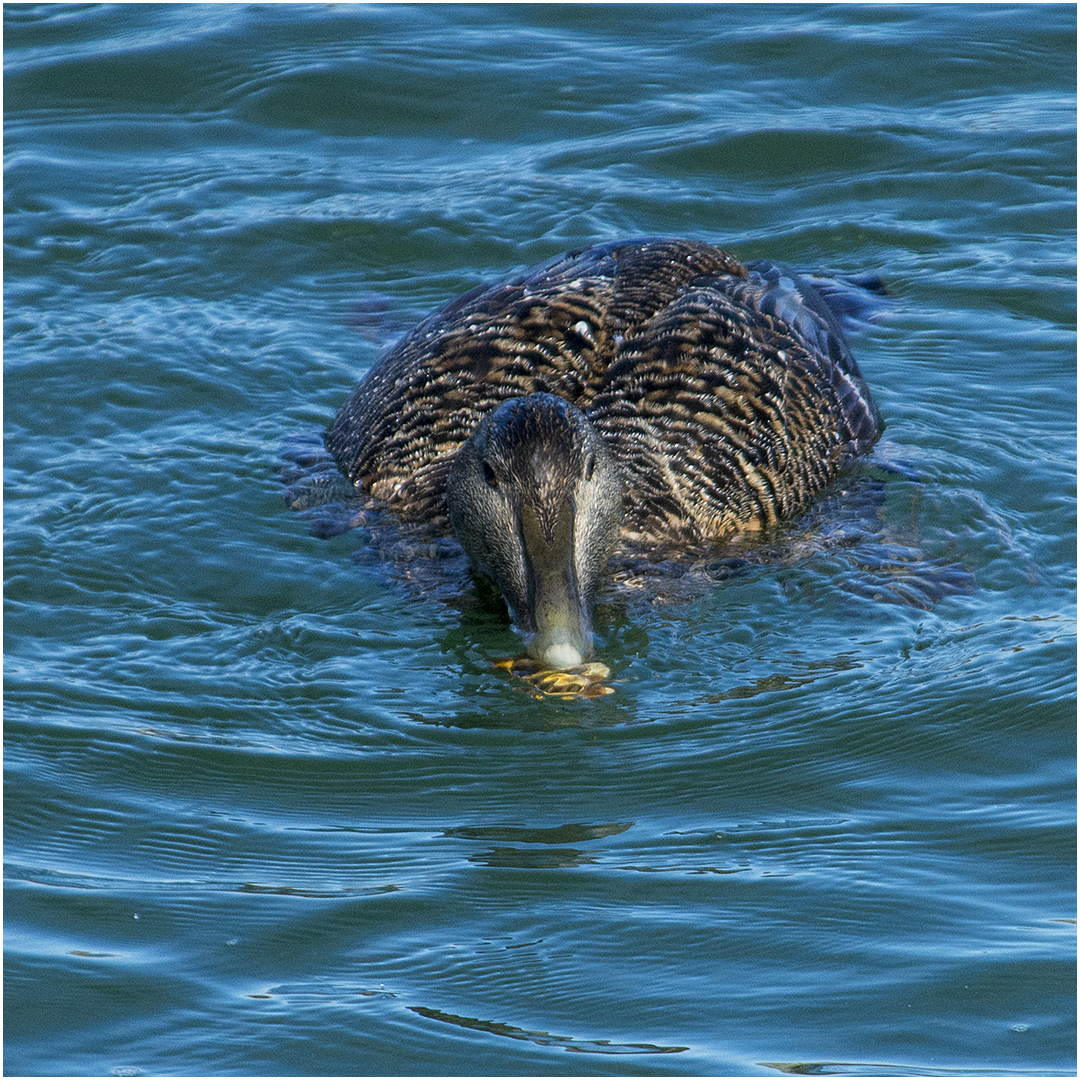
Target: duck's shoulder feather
(727, 390)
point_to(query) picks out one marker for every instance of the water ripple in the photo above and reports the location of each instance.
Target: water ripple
(271, 807)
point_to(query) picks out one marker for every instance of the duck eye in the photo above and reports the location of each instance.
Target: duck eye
(590, 467)
(490, 478)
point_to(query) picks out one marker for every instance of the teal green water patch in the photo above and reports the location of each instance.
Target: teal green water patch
(273, 808)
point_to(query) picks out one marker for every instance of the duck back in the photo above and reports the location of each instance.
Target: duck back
(726, 391)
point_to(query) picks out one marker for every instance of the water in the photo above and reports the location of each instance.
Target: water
(271, 810)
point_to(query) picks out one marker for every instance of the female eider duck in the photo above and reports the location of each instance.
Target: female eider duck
(658, 391)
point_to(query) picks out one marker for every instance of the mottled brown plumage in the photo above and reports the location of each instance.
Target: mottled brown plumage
(725, 391)
(660, 389)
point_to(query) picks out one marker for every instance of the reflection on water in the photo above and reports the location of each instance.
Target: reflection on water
(562, 834)
(543, 1038)
(551, 859)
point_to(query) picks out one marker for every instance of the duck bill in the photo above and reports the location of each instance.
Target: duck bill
(557, 623)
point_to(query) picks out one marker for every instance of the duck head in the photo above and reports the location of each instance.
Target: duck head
(535, 497)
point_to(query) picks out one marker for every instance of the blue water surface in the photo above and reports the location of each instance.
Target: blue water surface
(272, 810)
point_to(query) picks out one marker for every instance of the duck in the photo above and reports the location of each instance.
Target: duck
(657, 392)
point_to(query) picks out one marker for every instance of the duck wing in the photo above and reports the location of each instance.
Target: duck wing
(536, 332)
(733, 407)
(780, 293)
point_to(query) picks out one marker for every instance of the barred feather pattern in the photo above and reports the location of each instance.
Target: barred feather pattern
(726, 391)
